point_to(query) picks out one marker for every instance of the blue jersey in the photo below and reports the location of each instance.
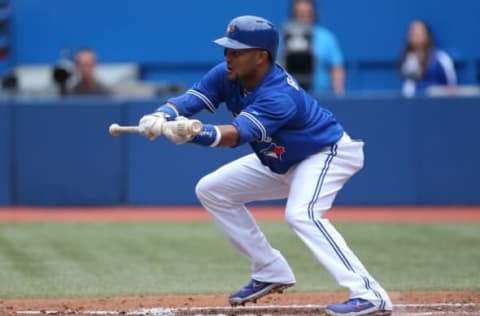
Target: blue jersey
(283, 124)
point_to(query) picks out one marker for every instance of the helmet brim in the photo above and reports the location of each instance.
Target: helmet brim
(231, 43)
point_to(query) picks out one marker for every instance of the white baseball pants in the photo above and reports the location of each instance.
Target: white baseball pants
(310, 188)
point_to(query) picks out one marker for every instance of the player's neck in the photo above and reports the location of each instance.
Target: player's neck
(249, 84)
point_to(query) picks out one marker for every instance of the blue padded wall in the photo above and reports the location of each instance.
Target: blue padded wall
(65, 156)
(417, 151)
(388, 129)
(448, 151)
(5, 154)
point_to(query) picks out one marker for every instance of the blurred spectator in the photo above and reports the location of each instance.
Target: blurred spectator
(63, 71)
(422, 65)
(10, 83)
(88, 84)
(311, 52)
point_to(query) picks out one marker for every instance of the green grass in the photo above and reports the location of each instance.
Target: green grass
(102, 259)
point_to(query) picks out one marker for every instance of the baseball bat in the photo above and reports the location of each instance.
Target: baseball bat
(181, 127)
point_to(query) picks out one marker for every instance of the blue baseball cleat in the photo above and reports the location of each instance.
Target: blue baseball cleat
(255, 290)
(356, 307)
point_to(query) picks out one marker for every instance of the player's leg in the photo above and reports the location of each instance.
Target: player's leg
(314, 186)
(224, 193)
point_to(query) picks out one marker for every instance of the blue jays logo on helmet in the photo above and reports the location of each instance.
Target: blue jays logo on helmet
(248, 31)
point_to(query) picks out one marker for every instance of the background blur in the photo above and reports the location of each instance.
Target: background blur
(171, 40)
(56, 150)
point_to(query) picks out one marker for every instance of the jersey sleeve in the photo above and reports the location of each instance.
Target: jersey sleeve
(208, 93)
(262, 118)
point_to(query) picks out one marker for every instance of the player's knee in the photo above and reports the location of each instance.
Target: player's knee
(292, 218)
(201, 189)
(205, 188)
(295, 218)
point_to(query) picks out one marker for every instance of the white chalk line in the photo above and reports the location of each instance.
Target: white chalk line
(243, 310)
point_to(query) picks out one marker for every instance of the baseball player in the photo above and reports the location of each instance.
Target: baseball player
(300, 153)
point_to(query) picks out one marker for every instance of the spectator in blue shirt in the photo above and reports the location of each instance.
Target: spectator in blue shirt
(327, 71)
(422, 65)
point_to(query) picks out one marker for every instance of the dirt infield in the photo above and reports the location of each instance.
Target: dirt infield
(191, 214)
(291, 303)
(406, 303)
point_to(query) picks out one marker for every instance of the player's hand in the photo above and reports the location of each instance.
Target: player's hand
(170, 133)
(150, 125)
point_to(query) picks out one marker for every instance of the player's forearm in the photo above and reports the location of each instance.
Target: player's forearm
(217, 136)
(174, 107)
(229, 136)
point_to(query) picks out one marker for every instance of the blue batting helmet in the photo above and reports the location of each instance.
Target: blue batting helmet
(247, 31)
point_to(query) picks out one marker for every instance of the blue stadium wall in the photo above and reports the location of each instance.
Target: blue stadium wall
(418, 152)
(171, 40)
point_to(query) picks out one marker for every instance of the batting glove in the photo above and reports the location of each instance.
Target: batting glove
(171, 134)
(150, 125)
